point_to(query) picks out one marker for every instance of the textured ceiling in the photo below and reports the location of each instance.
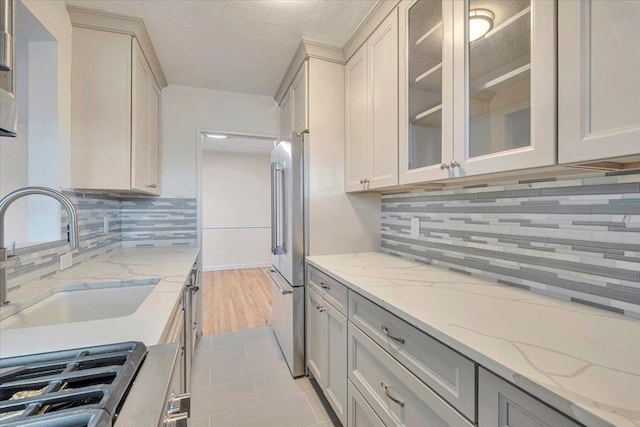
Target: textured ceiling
(237, 45)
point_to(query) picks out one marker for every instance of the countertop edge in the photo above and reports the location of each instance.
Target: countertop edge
(539, 391)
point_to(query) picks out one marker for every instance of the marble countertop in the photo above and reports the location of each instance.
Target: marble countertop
(584, 361)
(149, 323)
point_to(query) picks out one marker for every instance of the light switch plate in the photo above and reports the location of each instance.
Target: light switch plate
(415, 226)
(66, 261)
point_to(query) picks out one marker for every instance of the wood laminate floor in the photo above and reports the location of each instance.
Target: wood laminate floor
(235, 300)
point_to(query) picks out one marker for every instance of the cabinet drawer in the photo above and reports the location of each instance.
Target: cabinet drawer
(447, 372)
(394, 393)
(502, 404)
(330, 289)
(360, 413)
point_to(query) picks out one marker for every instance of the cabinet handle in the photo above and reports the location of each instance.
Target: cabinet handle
(152, 186)
(391, 396)
(454, 164)
(387, 333)
(324, 286)
(320, 308)
(444, 166)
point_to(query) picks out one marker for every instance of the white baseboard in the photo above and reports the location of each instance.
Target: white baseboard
(234, 266)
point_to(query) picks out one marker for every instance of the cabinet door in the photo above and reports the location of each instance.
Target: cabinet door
(426, 90)
(382, 61)
(360, 413)
(356, 123)
(101, 110)
(336, 357)
(153, 145)
(505, 86)
(501, 404)
(598, 68)
(140, 113)
(286, 125)
(299, 99)
(316, 337)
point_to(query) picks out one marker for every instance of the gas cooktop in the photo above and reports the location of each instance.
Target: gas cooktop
(80, 387)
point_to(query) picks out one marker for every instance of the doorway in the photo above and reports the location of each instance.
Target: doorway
(235, 230)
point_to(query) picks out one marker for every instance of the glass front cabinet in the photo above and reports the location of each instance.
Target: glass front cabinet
(477, 87)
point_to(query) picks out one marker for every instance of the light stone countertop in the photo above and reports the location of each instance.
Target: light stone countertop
(584, 361)
(149, 323)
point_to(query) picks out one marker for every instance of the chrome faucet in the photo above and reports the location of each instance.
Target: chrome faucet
(7, 200)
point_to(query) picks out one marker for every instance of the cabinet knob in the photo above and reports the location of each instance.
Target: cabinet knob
(444, 166)
(454, 163)
(152, 186)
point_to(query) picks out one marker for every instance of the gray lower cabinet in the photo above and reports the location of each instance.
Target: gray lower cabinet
(327, 350)
(500, 404)
(394, 393)
(446, 371)
(359, 413)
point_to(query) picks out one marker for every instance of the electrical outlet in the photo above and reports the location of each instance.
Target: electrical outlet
(415, 226)
(106, 224)
(66, 261)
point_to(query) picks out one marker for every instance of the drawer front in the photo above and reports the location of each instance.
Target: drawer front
(394, 393)
(334, 292)
(360, 413)
(447, 372)
(502, 404)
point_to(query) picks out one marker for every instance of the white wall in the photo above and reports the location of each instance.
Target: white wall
(235, 209)
(14, 156)
(185, 110)
(54, 17)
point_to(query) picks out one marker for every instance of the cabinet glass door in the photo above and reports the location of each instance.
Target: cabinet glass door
(498, 76)
(425, 83)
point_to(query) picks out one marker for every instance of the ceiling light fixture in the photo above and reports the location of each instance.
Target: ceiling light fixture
(216, 136)
(480, 23)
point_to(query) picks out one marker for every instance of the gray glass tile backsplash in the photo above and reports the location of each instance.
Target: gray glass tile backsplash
(576, 238)
(129, 222)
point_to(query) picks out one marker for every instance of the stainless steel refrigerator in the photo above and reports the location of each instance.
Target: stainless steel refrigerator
(288, 248)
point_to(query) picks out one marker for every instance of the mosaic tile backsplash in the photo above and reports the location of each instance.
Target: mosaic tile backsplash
(577, 239)
(131, 222)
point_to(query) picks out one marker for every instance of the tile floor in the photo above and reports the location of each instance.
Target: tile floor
(240, 379)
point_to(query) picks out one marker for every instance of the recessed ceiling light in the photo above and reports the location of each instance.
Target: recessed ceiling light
(480, 22)
(216, 136)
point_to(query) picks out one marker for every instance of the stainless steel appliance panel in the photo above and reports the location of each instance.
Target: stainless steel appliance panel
(288, 321)
(287, 209)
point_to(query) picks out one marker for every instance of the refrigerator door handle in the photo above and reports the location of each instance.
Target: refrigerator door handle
(277, 208)
(283, 290)
(274, 211)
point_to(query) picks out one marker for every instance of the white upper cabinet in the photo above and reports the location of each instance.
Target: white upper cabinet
(426, 91)
(474, 102)
(505, 86)
(294, 107)
(114, 114)
(300, 100)
(286, 124)
(598, 69)
(371, 109)
(356, 129)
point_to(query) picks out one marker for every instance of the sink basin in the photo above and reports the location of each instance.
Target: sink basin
(99, 301)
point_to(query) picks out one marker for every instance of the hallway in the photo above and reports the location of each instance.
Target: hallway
(235, 300)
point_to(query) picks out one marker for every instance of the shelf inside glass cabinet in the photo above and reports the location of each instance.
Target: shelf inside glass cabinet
(430, 80)
(430, 117)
